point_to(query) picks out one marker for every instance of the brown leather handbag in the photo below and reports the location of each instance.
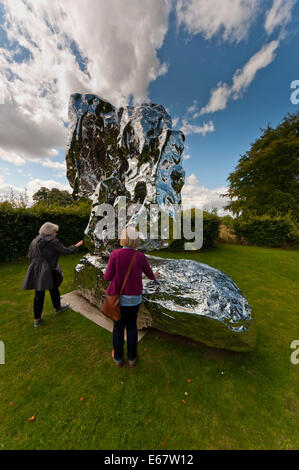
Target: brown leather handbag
(111, 306)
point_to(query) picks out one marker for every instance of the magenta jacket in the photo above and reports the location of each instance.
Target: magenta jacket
(118, 265)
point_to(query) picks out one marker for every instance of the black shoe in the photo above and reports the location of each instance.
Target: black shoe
(62, 308)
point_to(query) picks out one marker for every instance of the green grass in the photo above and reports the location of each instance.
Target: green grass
(234, 401)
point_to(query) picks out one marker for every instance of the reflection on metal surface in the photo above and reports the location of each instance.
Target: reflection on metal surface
(191, 299)
(131, 151)
(196, 288)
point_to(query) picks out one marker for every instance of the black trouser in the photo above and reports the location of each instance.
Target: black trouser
(39, 301)
(129, 321)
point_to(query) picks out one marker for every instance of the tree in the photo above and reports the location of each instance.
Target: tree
(41, 195)
(52, 196)
(266, 179)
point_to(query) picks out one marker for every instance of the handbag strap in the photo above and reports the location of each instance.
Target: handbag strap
(128, 272)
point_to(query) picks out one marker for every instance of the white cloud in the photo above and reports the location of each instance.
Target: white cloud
(24, 136)
(55, 165)
(5, 189)
(195, 195)
(34, 185)
(218, 99)
(193, 110)
(116, 46)
(279, 14)
(175, 122)
(188, 128)
(31, 187)
(232, 19)
(243, 77)
(11, 157)
(241, 80)
(193, 107)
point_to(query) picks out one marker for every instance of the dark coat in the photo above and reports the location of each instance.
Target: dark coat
(43, 253)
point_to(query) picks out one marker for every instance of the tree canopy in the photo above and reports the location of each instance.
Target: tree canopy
(52, 196)
(266, 179)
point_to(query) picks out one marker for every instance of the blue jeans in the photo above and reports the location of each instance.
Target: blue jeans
(129, 321)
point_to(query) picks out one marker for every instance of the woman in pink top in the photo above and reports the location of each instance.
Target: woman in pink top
(131, 298)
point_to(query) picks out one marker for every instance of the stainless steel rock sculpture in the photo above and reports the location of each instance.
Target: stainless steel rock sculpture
(133, 152)
(192, 299)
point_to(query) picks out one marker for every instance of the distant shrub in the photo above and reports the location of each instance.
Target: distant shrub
(226, 220)
(265, 230)
(210, 232)
(226, 235)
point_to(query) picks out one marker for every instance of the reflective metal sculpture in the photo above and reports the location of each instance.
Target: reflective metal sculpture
(133, 152)
(192, 299)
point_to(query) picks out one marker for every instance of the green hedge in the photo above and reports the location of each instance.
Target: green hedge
(265, 230)
(18, 226)
(210, 232)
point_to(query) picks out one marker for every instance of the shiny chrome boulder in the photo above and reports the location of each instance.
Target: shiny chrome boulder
(191, 299)
(130, 152)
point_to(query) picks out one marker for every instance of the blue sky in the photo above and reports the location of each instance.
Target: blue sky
(198, 65)
(170, 52)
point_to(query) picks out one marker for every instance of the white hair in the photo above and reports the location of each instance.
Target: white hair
(48, 228)
(130, 237)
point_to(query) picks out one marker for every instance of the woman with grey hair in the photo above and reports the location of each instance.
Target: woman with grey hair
(44, 271)
(131, 298)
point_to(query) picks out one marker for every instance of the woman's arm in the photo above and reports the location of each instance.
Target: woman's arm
(147, 269)
(110, 270)
(63, 250)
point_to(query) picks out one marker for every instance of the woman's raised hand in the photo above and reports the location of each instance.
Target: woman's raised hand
(79, 243)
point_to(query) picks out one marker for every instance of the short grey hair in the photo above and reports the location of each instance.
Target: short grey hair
(48, 228)
(130, 237)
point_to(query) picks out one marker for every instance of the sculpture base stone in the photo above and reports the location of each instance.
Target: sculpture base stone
(84, 307)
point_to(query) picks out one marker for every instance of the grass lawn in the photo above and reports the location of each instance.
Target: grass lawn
(233, 400)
